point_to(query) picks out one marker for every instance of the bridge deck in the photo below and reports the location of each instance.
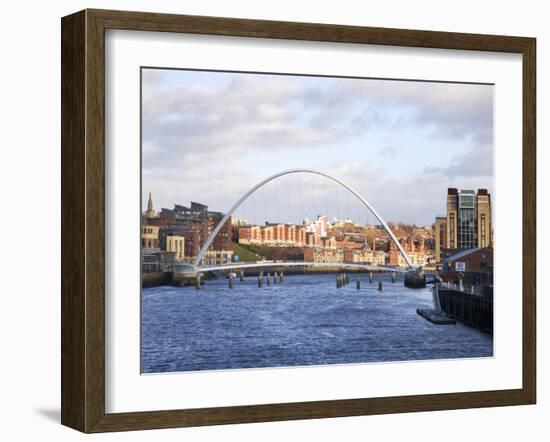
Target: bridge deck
(349, 265)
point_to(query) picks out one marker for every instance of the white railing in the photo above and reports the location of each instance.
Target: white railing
(259, 264)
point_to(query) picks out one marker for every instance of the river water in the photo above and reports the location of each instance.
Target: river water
(304, 321)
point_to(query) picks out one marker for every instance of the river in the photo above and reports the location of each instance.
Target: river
(304, 321)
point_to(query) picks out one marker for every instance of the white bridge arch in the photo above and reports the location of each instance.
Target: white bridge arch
(230, 212)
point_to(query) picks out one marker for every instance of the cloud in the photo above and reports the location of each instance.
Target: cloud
(450, 109)
(258, 112)
(414, 198)
(388, 152)
(476, 162)
(199, 136)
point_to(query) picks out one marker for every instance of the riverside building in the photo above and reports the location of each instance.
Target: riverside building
(467, 224)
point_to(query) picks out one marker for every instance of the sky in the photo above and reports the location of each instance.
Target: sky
(211, 136)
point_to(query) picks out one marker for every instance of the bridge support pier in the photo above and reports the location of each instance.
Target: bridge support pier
(338, 281)
(281, 277)
(357, 283)
(275, 276)
(268, 278)
(241, 275)
(198, 281)
(392, 277)
(415, 279)
(260, 279)
(380, 283)
(370, 277)
(230, 281)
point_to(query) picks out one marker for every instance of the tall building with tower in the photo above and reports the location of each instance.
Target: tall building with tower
(485, 228)
(440, 235)
(467, 224)
(150, 212)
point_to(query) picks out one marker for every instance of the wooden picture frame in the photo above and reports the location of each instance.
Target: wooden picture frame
(83, 220)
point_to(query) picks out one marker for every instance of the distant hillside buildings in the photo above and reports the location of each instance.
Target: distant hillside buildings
(321, 241)
(176, 235)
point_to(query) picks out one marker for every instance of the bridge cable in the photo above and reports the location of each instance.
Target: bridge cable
(243, 211)
(338, 202)
(277, 202)
(312, 198)
(301, 195)
(326, 198)
(357, 220)
(265, 205)
(254, 208)
(348, 213)
(287, 178)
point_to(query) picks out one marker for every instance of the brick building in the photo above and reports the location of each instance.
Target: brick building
(474, 266)
(275, 235)
(415, 248)
(194, 224)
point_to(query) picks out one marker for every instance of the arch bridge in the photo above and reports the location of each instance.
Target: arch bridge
(197, 267)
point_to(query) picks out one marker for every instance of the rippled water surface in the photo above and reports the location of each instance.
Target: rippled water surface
(304, 321)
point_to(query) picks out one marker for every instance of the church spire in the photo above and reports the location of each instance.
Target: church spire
(150, 213)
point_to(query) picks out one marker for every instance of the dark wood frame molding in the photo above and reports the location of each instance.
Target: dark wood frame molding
(83, 217)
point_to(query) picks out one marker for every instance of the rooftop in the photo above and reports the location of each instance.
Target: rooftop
(464, 253)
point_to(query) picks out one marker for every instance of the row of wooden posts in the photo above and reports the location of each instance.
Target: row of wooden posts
(278, 278)
(343, 279)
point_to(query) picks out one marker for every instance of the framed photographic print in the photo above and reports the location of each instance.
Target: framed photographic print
(270, 220)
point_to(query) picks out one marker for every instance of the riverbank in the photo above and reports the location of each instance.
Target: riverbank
(472, 310)
(156, 279)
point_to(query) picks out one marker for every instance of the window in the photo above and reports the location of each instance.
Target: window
(467, 229)
(452, 231)
(483, 230)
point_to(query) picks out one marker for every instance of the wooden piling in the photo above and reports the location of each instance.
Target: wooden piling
(230, 281)
(275, 276)
(370, 277)
(241, 275)
(281, 277)
(379, 283)
(358, 283)
(268, 278)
